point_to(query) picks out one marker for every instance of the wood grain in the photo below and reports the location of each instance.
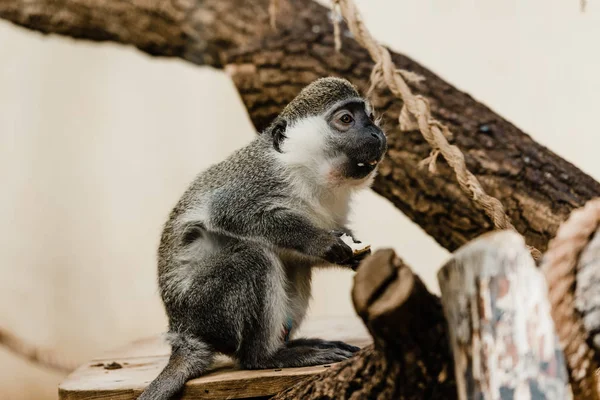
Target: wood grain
(503, 338)
(142, 360)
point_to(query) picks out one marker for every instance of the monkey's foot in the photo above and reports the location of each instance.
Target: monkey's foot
(323, 344)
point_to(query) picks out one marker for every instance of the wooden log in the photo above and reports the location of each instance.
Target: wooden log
(502, 334)
(410, 358)
(537, 188)
(125, 372)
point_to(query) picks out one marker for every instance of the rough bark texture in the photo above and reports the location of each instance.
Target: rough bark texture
(537, 187)
(410, 358)
(502, 334)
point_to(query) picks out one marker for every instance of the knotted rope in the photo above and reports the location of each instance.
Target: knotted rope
(416, 114)
(45, 357)
(559, 265)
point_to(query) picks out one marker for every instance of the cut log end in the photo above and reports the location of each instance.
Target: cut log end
(410, 358)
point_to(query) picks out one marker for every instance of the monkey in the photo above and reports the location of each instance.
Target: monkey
(237, 251)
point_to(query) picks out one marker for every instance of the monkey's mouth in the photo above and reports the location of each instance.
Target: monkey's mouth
(360, 169)
(371, 163)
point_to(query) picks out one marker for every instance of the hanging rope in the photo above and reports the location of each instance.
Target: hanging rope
(560, 268)
(416, 114)
(45, 357)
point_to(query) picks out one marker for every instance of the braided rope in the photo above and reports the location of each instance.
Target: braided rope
(416, 113)
(559, 265)
(45, 357)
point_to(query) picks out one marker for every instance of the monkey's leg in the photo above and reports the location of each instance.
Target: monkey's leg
(263, 345)
(237, 296)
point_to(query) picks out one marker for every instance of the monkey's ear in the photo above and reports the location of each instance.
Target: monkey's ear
(277, 133)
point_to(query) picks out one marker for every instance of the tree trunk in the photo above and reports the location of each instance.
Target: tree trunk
(537, 188)
(410, 358)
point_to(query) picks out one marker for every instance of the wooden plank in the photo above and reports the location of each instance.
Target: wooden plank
(502, 335)
(137, 364)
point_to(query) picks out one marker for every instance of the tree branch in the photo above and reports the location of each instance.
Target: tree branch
(537, 188)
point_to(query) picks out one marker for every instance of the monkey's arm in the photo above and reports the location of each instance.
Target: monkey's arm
(287, 229)
(284, 228)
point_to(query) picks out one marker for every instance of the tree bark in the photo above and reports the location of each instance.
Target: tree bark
(537, 188)
(410, 358)
(502, 334)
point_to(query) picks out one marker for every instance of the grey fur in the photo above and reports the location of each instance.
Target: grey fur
(236, 253)
(316, 98)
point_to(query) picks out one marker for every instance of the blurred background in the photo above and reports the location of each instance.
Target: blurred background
(98, 141)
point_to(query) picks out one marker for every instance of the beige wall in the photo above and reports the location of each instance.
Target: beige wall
(97, 141)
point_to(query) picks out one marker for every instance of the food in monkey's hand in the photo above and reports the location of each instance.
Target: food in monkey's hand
(358, 248)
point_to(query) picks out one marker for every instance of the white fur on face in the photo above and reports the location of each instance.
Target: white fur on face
(316, 176)
(304, 148)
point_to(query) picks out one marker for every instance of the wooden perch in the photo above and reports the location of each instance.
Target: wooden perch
(125, 372)
(502, 334)
(537, 188)
(410, 357)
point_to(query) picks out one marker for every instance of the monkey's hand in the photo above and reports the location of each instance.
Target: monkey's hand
(343, 252)
(338, 252)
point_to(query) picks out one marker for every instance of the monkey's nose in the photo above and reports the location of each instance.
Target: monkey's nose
(377, 134)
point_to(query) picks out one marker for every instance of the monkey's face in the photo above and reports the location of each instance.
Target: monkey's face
(342, 145)
(356, 138)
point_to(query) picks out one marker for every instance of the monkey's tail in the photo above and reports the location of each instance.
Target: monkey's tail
(190, 357)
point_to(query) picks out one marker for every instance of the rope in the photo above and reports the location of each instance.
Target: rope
(416, 114)
(45, 357)
(559, 265)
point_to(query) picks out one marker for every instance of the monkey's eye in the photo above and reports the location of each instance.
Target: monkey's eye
(346, 118)
(343, 120)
